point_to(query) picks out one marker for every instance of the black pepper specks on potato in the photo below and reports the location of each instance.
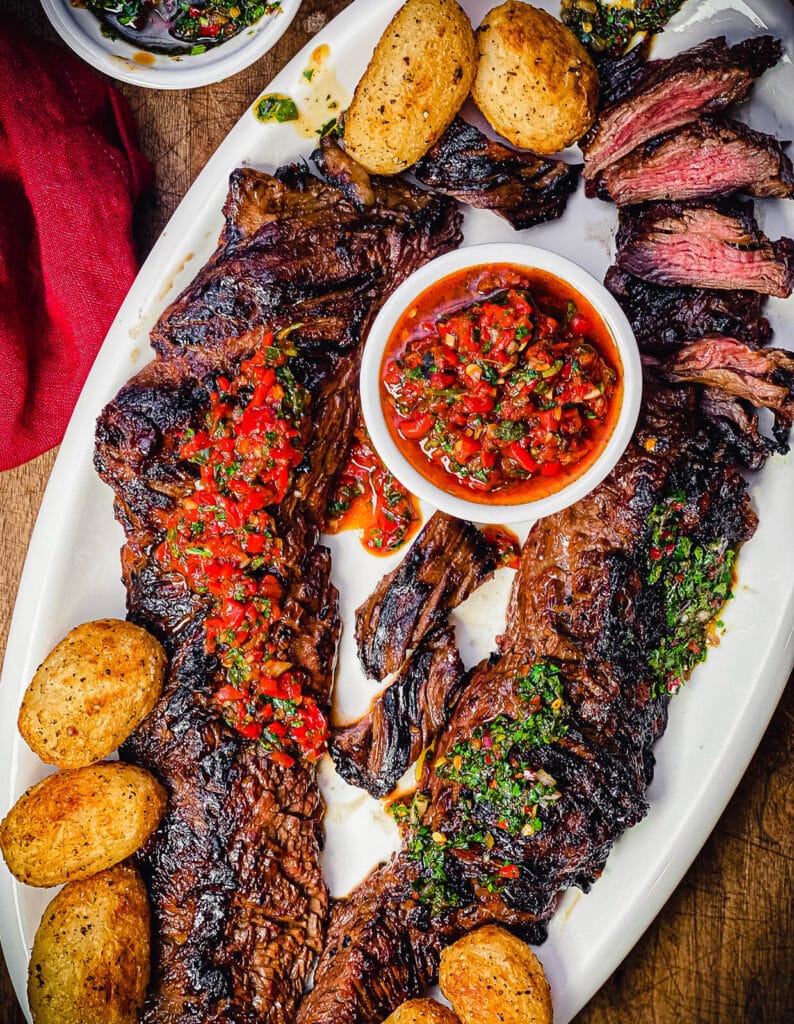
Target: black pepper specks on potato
(91, 691)
(420, 73)
(536, 84)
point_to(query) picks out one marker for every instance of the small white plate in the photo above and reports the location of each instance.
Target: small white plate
(81, 30)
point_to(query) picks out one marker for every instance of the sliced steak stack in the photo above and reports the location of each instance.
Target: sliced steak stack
(403, 627)
(668, 94)
(710, 158)
(522, 187)
(238, 900)
(713, 245)
(584, 602)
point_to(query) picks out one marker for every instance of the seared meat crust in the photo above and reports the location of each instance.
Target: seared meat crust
(448, 560)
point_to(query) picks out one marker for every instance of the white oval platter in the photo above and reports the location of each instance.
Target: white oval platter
(72, 572)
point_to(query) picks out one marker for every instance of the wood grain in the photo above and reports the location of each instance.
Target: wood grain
(721, 951)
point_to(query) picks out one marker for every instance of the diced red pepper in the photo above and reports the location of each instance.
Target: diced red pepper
(417, 428)
(519, 454)
(509, 871)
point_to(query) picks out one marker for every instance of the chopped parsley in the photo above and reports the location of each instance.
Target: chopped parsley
(697, 580)
(500, 793)
(275, 108)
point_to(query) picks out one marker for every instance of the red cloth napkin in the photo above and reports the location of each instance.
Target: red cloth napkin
(70, 172)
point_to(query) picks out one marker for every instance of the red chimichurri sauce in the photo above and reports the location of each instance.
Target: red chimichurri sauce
(369, 499)
(221, 538)
(501, 384)
(506, 544)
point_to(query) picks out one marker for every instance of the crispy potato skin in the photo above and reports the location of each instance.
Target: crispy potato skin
(420, 73)
(77, 822)
(91, 691)
(422, 1011)
(490, 976)
(536, 84)
(90, 960)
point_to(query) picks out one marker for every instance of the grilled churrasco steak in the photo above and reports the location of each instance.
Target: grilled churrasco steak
(233, 872)
(662, 317)
(709, 158)
(714, 245)
(524, 188)
(762, 377)
(670, 93)
(584, 624)
(448, 560)
(376, 751)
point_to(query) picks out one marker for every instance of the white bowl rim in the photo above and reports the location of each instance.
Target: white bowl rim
(170, 72)
(532, 257)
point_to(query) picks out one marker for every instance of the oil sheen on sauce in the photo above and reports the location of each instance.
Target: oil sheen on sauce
(429, 433)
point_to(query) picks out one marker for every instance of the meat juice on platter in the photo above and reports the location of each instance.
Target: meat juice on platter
(178, 26)
(501, 383)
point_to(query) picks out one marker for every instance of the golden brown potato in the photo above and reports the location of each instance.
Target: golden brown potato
(422, 1011)
(491, 976)
(91, 691)
(81, 821)
(90, 961)
(419, 75)
(535, 82)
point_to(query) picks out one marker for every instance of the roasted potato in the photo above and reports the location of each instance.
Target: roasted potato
(90, 961)
(419, 75)
(491, 976)
(422, 1011)
(91, 691)
(81, 821)
(536, 84)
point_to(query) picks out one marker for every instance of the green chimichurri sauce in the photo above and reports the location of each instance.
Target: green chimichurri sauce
(499, 791)
(610, 27)
(697, 579)
(179, 26)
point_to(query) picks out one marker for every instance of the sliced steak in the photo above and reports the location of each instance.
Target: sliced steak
(762, 377)
(523, 188)
(704, 246)
(448, 560)
(673, 92)
(238, 901)
(710, 158)
(662, 318)
(376, 752)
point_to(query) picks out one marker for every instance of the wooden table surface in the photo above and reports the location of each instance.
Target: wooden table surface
(722, 950)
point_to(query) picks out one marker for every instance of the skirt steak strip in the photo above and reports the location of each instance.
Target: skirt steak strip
(239, 904)
(581, 601)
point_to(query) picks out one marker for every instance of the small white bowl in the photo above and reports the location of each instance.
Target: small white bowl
(523, 256)
(81, 30)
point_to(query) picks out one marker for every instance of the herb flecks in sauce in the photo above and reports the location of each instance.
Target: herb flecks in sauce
(181, 26)
(222, 540)
(609, 27)
(275, 107)
(491, 392)
(697, 580)
(506, 545)
(369, 499)
(499, 791)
